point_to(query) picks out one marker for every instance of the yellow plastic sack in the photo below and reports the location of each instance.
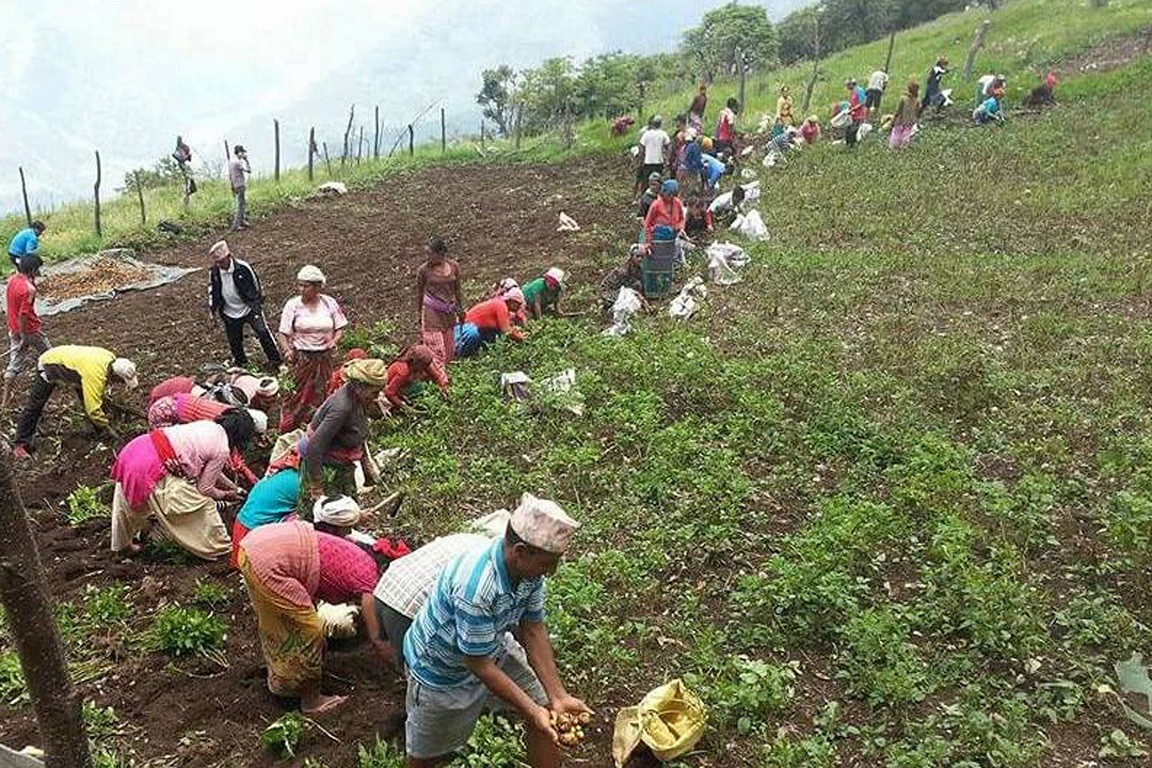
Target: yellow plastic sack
(670, 720)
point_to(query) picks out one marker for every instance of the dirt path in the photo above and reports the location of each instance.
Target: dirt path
(498, 220)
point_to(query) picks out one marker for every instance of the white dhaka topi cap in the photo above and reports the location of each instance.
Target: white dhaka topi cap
(543, 524)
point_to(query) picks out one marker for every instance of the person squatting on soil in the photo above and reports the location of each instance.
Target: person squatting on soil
(272, 499)
(409, 370)
(86, 369)
(288, 567)
(542, 294)
(176, 475)
(238, 171)
(439, 300)
(311, 326)
(334, 438)
(404, 588)
(235, 296)
(26, 341)
(666, 211)
(627, 275)
(649, 196)
(25, 242)
(461, 655)
(488, 321)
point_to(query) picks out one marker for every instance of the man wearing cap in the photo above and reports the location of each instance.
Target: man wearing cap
(235, 296)
(543, 294)
(25, 340)
(88, 370)
(238, 170)
(460, 652)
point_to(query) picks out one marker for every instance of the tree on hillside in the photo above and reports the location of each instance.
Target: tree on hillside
(797, 34)
(729, 32)
(852, 22)
(548, 93)
(165, 173)
(496, 96)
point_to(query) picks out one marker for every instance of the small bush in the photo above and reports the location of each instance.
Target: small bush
(84, 504)
(187, 632)
(283, 736)
(13, 689)
(211, 594)
(381, 755)
(495, 743)
(108, 606)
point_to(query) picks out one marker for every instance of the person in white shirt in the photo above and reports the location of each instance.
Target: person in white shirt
(653, 145)
(877, 84)
(236, 297)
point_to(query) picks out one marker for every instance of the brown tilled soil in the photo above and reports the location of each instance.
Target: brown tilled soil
(498, 221)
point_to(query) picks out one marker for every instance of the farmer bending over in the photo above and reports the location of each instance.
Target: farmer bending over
(87, 369)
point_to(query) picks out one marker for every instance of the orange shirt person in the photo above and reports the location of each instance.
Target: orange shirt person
(415, 364)
(667, 210)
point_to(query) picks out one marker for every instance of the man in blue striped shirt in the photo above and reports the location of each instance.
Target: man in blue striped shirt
(461, 654)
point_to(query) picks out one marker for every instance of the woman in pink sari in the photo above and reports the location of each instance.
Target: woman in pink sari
(440, 301)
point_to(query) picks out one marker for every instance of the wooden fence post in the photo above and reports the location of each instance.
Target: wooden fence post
(347, 131)
(327, 162)
(977, 44)
(891, 45)
(519, 116)
(276, 166)
(376, 136)
(311, 149)
(815, 66)
(360, 145)
(24, 193)
(28, 606)
(742, 62)
(96, 195)
(411, 140)
(227, 154)
(481, 135)
(140, 195)
(443, 132)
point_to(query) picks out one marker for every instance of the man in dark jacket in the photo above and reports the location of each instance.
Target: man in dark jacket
(235, 296)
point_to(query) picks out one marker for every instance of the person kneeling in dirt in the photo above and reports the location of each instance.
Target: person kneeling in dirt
(698, 219)
(991, 111)
(176, 474)
(627, 275)
(407, 372)
(488, 321)
(288, 567)
(88, 370)
(543, 294)
(460, 651)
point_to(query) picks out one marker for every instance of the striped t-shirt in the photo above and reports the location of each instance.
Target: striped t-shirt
(473, 605)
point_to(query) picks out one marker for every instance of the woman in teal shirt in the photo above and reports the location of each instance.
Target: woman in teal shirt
(271, 500)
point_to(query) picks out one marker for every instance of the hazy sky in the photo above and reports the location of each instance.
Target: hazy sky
(125, 76)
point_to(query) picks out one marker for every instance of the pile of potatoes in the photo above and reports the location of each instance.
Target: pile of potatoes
(570, 727)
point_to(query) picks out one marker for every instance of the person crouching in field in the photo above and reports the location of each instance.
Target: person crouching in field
(176, 475)
(87, 369)
(287, 568)
(460, 652)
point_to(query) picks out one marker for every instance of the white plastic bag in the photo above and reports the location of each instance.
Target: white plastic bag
(722, 258)
(560, 392)
(751, 225)
(751, 192)
(339, 620)
(688, 300)
(567, 223)
(627, 304)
